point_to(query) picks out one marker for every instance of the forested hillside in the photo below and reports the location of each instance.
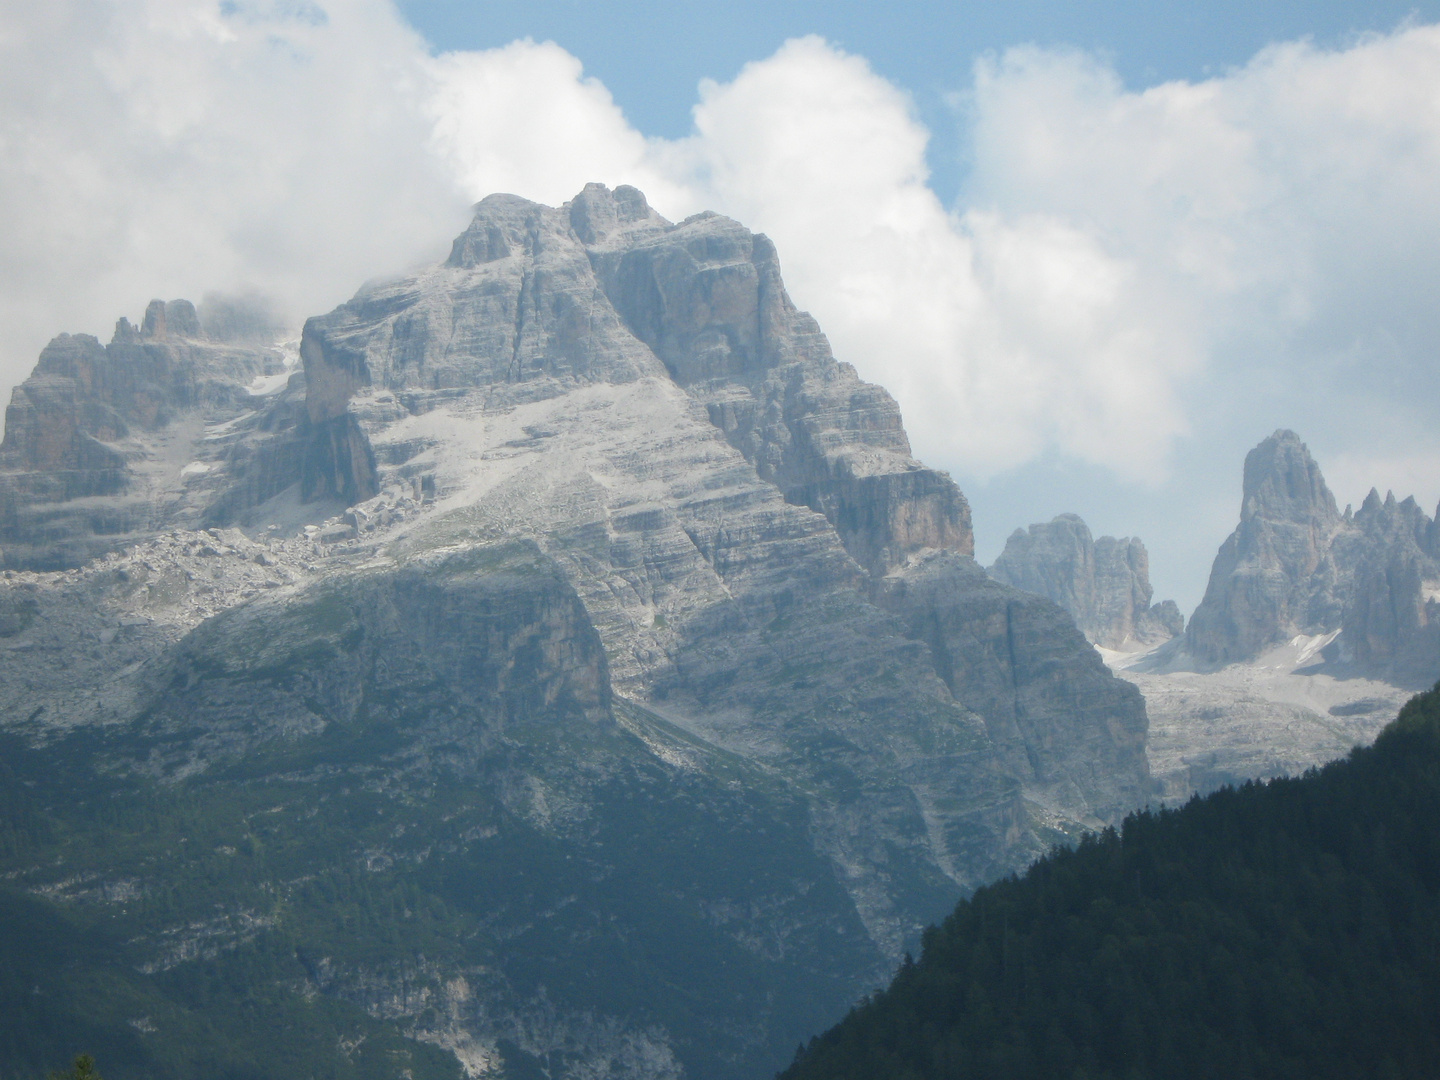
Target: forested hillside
(1289, 929)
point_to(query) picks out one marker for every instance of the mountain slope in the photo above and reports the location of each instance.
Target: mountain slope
(1289, 929)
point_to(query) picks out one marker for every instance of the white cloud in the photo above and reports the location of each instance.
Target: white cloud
(1289, 206)
(174, 147)
(525, 119)
(1129, 274)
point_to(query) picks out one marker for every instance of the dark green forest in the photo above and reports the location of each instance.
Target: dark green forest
(1282, 929)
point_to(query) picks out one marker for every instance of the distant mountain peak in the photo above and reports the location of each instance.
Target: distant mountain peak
(1294, 565)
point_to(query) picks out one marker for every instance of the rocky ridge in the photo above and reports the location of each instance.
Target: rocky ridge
(170, 425)
(591, 514)
(1296, 566)
(1316, 626)
(1104, 584)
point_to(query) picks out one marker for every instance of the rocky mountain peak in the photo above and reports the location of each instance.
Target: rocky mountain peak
(535, 300)
(107, 444)
(1294, 566)
(598, 213)
(588, 530)
(1283, 484)
(1104, 584)
(162, 319)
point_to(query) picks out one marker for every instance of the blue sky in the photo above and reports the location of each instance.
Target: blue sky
(651, 56)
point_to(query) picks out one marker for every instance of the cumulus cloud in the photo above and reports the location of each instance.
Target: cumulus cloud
(525, 119)
(176, 147)
(1000, 336)
(1129, 274)
(1125, 269)
(1287, 207)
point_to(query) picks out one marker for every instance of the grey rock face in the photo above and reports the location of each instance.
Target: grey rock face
(1392, 622)
(1275, 576)
(105, 445)
(708, 299)
(439, 725)
(1104, 584)
(727, 545)
(1296, 565)
(1051, 707)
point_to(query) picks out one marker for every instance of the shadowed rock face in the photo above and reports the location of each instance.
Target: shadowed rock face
(1104, 584)
(1050, 705)
(1296, 565)
(728, 547)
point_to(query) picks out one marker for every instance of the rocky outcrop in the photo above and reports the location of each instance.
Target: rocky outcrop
(1051, 707)
(1104, 584)
(1392, 622)
(550, 338)
(534, 299)
(1275, 576)
(107, 444)
(552, 877)
(707, 297)
(1297, 566)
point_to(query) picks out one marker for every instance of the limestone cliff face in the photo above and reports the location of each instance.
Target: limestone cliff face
(1296, 565)
(551, 878)
(535, 299)
(707, 297)
(98, 439)
(643, 400)
(1392, 622)
(1275, 576)
(493, 634)
(608, 364)
(1051, 707)
(1104, 584)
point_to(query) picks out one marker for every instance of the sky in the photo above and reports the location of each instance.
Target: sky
(1095, 251)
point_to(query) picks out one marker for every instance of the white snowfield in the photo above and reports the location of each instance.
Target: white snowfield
(1277, 715)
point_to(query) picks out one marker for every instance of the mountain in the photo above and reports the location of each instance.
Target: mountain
(556, 659)
(106, 445)
(1285, 929)
(1296, 566)
(1104, 584)
(1316, 626)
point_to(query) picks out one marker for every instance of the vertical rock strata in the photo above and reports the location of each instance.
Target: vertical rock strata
(1296, 566)
(1016, 659)
(1104, 584)
(1391, 624)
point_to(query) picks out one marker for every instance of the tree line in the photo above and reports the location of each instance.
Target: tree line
(1281, 929)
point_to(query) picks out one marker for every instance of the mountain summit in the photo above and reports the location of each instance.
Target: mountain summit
(1296, 566)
